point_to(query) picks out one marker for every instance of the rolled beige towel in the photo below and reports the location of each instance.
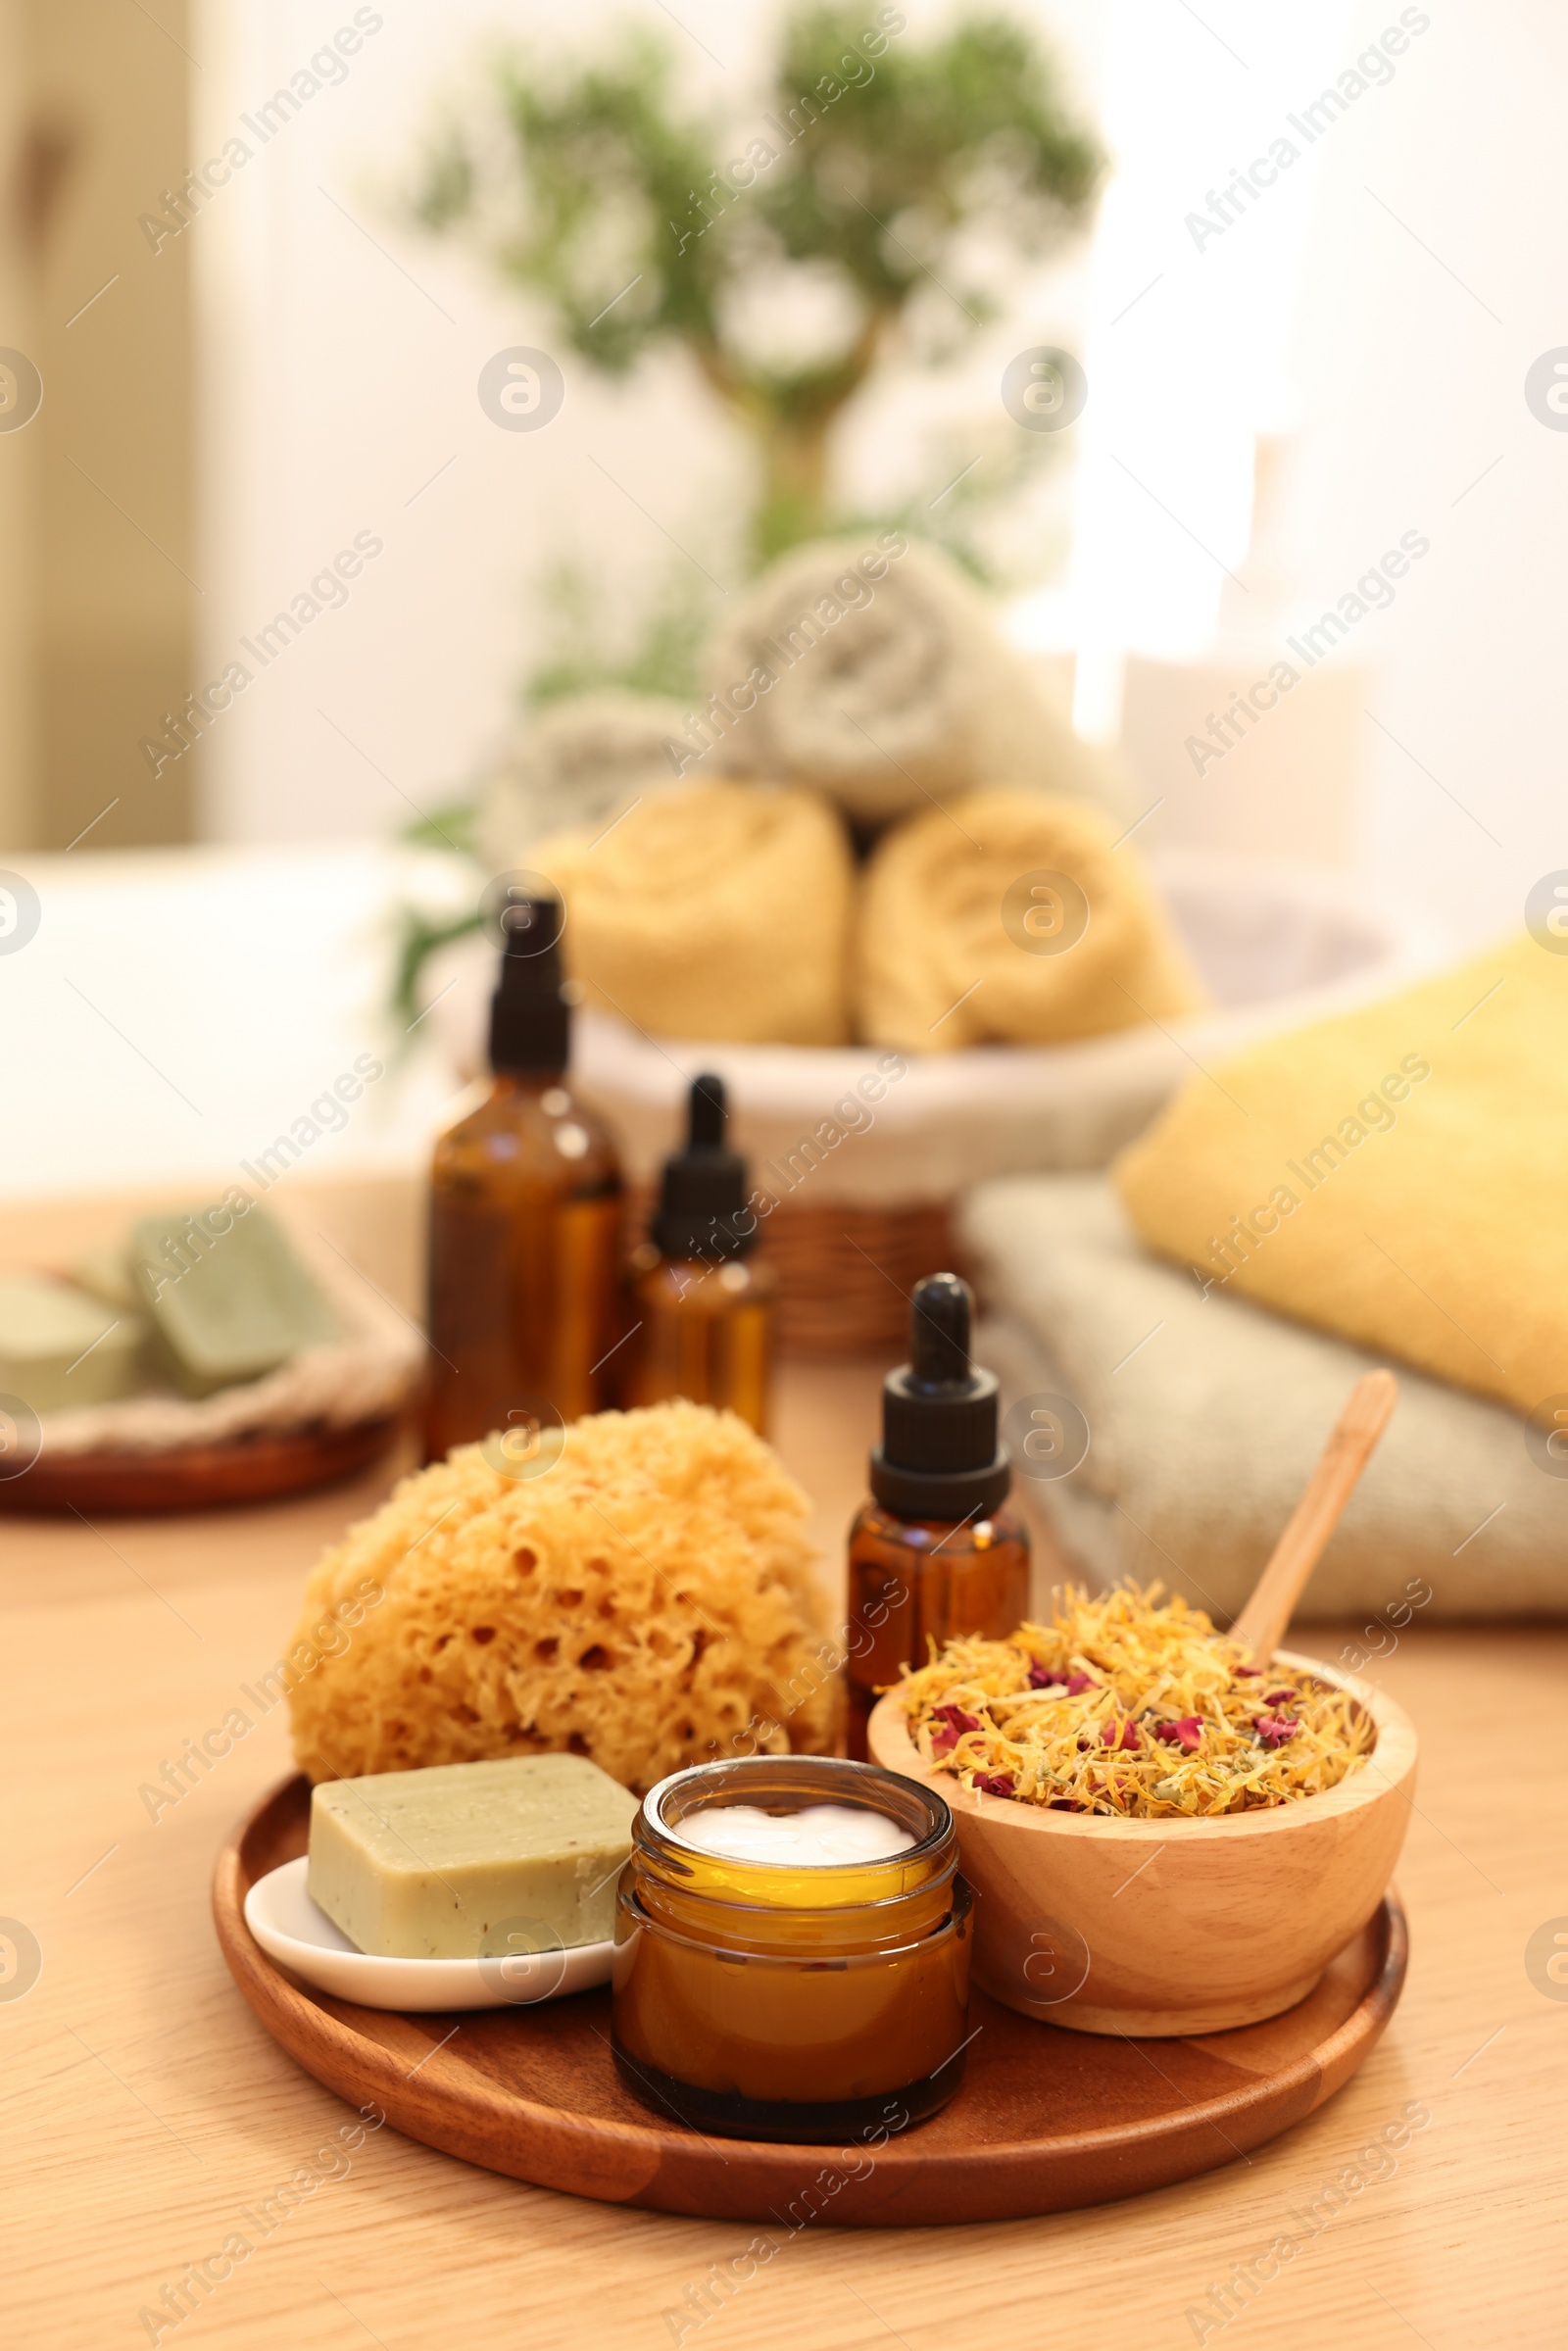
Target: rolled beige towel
(574, 765)
(714, 910)
(874, 669)
(1009, 917)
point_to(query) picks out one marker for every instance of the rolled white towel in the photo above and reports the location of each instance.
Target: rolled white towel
(873, 669)
(574, 766)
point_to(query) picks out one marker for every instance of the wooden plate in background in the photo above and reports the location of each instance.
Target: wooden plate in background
(1047, 2120)
(266, 1467)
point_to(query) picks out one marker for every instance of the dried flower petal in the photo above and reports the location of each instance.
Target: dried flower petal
(956, 1722)
(989, 1711)
(1186, 1734)
(994, 1783)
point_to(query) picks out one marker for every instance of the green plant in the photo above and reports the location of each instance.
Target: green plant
(654, 652)
(416, 936)
(884, 170)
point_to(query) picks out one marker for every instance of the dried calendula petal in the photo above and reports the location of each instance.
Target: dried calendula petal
(1153, 1683)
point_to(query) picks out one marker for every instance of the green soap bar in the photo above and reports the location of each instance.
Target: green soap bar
(105, 1272)
(59, 1349)
(466, 1858)
(228, 1298)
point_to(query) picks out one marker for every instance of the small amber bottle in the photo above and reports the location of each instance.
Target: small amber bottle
(525, 1219)
(701, 1306)
(934, 1553)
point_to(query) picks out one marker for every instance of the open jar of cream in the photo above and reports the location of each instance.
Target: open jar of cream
(792, 1950)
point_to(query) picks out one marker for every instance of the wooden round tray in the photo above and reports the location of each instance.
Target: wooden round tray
(1045, 2120)
(265, 1468)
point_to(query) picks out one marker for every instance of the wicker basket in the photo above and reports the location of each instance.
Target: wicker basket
(845, 1274)
(1277, 946)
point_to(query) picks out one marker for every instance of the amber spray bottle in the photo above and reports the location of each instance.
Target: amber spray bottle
(934, 1553)
(525, 1223)
(702, 1305)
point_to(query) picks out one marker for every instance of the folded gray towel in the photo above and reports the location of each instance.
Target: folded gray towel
(1206, 1416)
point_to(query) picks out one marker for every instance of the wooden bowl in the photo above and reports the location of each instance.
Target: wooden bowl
(1172, 1927)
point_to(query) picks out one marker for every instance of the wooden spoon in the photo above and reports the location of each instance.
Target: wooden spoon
(1260, 1627)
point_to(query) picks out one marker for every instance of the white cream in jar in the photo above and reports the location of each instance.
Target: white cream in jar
(821, 1835)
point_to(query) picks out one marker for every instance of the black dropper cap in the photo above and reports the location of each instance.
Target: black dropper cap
(530, 1020)
(703, 1196)
(939, 1458)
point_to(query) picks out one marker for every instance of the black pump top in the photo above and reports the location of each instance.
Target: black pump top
(704, 1198)
(530, 1020)
(939, 1458)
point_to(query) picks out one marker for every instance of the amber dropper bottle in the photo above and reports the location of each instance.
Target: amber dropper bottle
(525, 1218)
(701, 1304)
(934, 1553)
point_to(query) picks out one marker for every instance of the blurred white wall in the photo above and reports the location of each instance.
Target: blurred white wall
(1383, 300)
(342, 361)
(1436, 285)
(1188, 340)
(342, 358)
(1380, 304)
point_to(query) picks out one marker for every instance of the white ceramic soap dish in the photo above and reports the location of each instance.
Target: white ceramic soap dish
(292, 1929)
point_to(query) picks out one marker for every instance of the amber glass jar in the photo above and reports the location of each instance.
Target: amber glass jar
(788, 2001)
(705, 1332)
(913, 1581)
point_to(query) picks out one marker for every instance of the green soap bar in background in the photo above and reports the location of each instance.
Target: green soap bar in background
(61, 1349)
(468, 1858)
(105, 1272)
(229, 1301)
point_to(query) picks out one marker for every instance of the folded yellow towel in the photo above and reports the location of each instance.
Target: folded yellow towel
(1394, 1175)
(715, 909)
(1011, 916)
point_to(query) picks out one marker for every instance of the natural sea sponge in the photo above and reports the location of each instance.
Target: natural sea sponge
(712, 909)
(648, 1602)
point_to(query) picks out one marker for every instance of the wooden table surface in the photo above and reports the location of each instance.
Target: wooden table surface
(143, 2108)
